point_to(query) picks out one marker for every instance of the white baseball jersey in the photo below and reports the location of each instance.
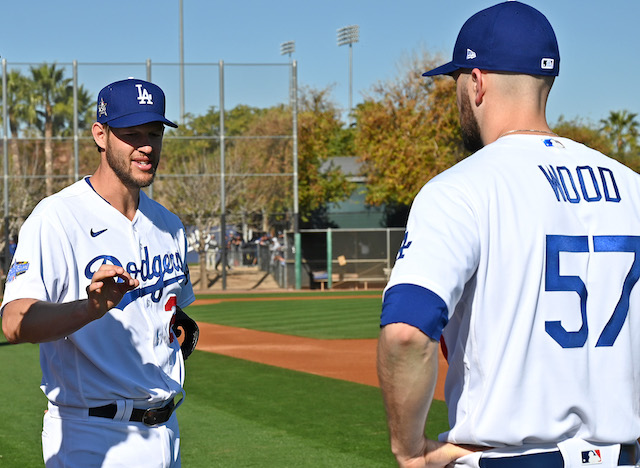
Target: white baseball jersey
(533, 244)
(131, 353)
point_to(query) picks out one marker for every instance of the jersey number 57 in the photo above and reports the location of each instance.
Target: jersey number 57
(554, 281)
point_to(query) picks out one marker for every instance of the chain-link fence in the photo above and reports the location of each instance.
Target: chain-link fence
(230, 168)
(334, 258)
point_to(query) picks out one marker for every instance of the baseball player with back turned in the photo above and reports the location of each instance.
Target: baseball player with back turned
(99, 278)
(524, 259)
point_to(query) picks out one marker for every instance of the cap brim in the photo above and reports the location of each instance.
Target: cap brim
(139, 118)
(446, 69)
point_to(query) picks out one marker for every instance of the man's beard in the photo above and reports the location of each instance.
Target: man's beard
(122, 169)
(469, 125)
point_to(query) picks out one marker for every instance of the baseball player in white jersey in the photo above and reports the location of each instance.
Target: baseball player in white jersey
(523, 260)
(99, 278)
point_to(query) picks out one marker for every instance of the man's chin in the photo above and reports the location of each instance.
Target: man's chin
(139, 182)
(147, 183)
(147, 178)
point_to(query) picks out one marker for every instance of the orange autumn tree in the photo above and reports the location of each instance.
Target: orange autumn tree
(408, 132)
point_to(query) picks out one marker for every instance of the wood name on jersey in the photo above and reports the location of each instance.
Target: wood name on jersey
(583, 183)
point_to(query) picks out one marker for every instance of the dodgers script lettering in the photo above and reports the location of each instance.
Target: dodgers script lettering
(168, 268)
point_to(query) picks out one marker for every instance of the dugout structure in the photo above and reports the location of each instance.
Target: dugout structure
(337, 258)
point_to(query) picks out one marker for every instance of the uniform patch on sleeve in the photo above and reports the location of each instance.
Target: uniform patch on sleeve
(17, 269)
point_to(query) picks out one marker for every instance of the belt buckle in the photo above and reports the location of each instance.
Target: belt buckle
(155, 416)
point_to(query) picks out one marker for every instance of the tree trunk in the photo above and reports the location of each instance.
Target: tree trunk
(16, 166)
(202, 261)
(48, 154)
(245, 227)
(265, 221)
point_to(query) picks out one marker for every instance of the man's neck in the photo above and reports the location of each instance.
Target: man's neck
(122, 198)
(510, 126)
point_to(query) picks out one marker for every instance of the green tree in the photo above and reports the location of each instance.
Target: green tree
(408, 131)
(21, 110)
(258, 164)
(622, 128)
(262, 161)
(51, 92)
(584, 133)
(192, 151)
(39, 104)
(21, 117)
(321, 136)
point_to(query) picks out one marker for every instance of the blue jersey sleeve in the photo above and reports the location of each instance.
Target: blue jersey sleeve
(416, 306)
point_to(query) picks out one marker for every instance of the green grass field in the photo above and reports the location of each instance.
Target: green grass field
(240, 413)
(334, 318)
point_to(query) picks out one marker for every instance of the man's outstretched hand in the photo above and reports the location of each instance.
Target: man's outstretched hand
(108, 286)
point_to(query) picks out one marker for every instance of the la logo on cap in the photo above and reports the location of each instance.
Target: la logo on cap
(143, 95)
(131, 102)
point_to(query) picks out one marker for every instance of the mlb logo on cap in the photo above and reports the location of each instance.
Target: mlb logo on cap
(508, 37)
(131, 102)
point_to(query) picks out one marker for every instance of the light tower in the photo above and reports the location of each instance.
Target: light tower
(349, 35)
(288, 48)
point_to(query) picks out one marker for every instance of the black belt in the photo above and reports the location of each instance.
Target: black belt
(149, 416)
(628, 456)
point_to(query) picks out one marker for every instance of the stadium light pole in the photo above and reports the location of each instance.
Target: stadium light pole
(297, 240)
(288, 48)
(181, 65)
(349, 35)
(5, 164)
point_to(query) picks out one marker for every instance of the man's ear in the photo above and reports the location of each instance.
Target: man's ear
(99, 135)
(479, 85)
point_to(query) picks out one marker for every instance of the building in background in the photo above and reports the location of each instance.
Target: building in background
(353, 213)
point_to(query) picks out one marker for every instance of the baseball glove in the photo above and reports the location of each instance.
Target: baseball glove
(191, 332)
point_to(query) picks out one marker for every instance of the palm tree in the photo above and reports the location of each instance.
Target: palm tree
(21, 118)
(51, 92)
(622, 128)
(21, 110)
(63, 119)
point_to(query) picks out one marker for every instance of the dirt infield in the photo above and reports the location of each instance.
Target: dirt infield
(351, 360)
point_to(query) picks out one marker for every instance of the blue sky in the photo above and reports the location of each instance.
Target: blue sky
(599, 43)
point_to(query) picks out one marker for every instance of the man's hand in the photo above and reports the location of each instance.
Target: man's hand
(34, 321)
(434, 455)
(407, 371)
(108, 285)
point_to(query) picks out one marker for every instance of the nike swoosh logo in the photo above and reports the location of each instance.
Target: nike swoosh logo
(96, 233)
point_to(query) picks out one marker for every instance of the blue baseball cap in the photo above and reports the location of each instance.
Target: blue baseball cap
(507, 37)
(131, 102)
